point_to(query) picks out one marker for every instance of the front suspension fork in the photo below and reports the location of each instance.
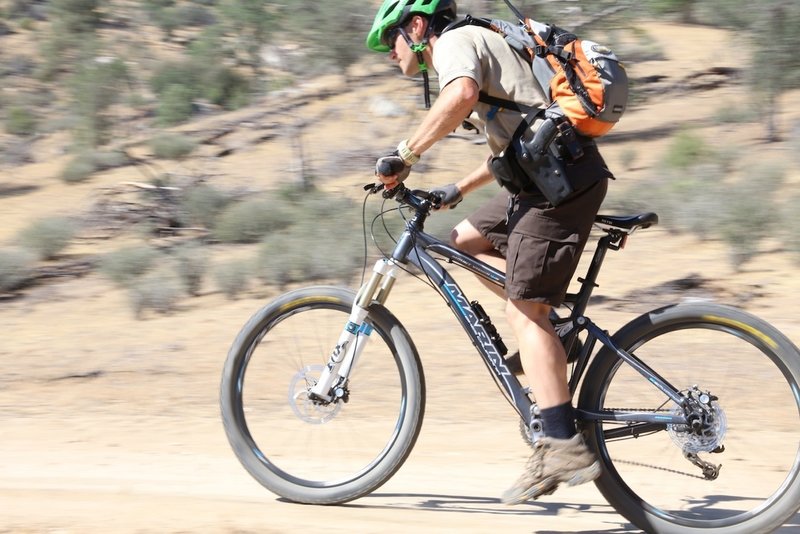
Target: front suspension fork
(333, 379)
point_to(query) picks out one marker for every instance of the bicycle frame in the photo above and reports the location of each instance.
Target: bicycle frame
(416, 247)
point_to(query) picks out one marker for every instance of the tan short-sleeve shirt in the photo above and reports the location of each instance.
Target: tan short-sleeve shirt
(484, 56)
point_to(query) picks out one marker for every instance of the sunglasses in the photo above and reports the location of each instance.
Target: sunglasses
(390, 36)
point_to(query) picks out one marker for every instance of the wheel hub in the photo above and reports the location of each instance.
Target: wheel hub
(304, 407)
(706, 426)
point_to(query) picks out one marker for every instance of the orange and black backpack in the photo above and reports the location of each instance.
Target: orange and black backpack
(580, 79)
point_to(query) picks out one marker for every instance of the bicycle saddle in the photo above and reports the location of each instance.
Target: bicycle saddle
(626, 223)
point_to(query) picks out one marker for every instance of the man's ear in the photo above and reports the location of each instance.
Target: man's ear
(418, 26)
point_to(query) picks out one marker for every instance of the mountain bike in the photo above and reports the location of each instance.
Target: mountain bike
(693, 409)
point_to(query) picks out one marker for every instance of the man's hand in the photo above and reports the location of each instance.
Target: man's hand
(391, 170)
(449, 195)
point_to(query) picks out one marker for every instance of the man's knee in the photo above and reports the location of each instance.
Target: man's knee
(522, 312)
(458, 235)
(467, 238)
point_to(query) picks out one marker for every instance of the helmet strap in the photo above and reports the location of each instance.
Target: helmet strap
(418, 49)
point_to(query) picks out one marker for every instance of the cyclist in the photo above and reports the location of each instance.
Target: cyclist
(536, 244)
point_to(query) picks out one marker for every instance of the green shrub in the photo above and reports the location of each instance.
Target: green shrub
(250, 220)
(686, 150)
(310, 252)
(225, 87)
(686, 201)
(232, 277)
(172, 146)
(79, 168)
(323, 242)
(194, 15)
(735, 113)
(202, 204)
(20, 121)
(47, 237)
(103, 159)
(76, 16)
(15, 268)
(95, 87)
(191, 265)
(87, 162)
(125, 265)
(702, 201)
(183, 73)
(748, 213)
(175, 105)
(203, 77)
(158, 291)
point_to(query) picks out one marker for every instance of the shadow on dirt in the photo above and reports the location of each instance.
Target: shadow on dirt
(607, 519)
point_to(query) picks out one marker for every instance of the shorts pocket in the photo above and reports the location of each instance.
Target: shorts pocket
(542, 259)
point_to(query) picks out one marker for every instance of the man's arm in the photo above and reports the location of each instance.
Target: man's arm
(452, 106)
(477, 178)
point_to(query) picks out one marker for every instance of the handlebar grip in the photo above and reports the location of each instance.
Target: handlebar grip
(384, 167)
(390, 165)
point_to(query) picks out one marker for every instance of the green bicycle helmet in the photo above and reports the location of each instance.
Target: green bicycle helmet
(395, 12)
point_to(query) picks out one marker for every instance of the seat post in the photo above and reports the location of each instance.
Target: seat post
(590, 281)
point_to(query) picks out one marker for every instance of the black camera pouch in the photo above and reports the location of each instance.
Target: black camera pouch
(532, 163)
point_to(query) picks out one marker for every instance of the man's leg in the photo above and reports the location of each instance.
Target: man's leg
(561, 456)
(542, 354)
(466, 238)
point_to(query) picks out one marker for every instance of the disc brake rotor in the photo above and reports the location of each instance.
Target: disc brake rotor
(306, 409)
(707, 438)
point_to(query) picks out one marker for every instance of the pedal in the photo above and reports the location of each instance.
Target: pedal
(537, 426)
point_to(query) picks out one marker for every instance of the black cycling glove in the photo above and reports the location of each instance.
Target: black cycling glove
(392, 164)
(449, 195)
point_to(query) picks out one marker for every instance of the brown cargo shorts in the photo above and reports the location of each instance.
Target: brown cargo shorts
(542, 244)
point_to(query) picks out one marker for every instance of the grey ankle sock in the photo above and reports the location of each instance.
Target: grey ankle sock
(559, 421)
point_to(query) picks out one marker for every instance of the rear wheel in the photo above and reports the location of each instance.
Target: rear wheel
(669, 479)
(307, 450)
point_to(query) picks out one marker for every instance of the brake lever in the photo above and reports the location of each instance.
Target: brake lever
(435, 200)
(373, 188)
(390, 193)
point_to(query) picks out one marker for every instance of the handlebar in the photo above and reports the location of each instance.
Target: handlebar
(418, 199)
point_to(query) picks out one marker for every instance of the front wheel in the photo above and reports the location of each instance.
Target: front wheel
(305, 449)
(738, 470)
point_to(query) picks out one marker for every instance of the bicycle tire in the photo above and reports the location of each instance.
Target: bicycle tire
(734, 355)
(307, 452)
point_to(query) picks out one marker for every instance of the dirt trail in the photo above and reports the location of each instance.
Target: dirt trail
(111, 424)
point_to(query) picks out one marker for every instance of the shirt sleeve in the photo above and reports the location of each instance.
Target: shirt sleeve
(455, 56)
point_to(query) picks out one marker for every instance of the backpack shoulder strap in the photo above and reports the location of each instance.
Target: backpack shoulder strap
(498, 27)
(486, 98)
(468, 20)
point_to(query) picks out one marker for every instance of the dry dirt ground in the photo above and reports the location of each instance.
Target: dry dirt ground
(111, 424)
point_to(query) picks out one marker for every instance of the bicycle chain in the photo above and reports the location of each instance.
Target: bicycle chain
(659, 468)
(651, 466)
